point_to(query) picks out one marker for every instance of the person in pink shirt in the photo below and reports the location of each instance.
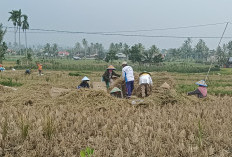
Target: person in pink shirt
(201, 91)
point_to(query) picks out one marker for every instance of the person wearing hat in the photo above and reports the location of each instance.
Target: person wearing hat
(116, 92)
(128, 76)
(201, 91)
(40, 66)
(84, 83)
(145, 83)
(108, 75)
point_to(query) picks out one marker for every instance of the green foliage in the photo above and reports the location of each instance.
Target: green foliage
(74, 74)
(136, 52)
(111, 55)
(9, 82)
(184, 88)
(88, 152)
(3, 46)
(152, 55)
(18, 61)
(81, 73)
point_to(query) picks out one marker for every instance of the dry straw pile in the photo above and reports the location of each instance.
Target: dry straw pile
(33, 122)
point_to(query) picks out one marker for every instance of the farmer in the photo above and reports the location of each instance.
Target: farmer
(84, 83)
(201, 91)
(2, 69)
(108, 75)
(145, 83)
(28, 72)
(40, 68)
(128, 76)
(116, 92)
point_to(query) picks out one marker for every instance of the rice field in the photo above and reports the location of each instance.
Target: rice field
(47, 116)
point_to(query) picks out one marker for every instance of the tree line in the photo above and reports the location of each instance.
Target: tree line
(200, 52)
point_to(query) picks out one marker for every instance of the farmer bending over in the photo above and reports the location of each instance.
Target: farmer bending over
(28, 72)
(201, 91)
(84, 83)
(145, 83)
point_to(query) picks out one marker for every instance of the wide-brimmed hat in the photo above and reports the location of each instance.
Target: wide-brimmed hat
(124, 63)
(111, 67)
(144, 72)
(115, 89)
(85, 79)
(165, 85)
(201, 83)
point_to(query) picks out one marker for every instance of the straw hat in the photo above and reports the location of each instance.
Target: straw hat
(124, 63)
(115, 89)
(85, 79)
(165, 85)
(144, 72)
(201, 83)
(111, 67)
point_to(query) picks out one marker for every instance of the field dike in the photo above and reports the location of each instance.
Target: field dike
(52, 119)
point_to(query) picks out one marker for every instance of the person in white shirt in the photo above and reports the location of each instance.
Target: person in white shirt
(145, 83)
(128, 76)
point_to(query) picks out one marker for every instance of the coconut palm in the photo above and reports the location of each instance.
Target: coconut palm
(25, 26)
(19, 22)
(14, 17)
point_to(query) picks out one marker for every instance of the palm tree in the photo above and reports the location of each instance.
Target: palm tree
(25, 26)
(19, 22)
(13, 17)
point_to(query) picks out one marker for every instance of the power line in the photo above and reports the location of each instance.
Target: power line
(148, 36)
(218, 46)
(132, 35)
(142, 30)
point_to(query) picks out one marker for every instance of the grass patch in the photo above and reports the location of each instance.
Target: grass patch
(220, 92)
(183, 88)
(10, 83)
(79, 73)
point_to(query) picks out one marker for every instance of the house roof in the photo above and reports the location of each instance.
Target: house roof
(63, 53)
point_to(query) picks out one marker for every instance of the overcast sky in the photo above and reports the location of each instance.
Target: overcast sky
(120, 15)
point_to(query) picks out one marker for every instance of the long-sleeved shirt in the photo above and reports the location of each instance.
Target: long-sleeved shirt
(107, 76)
(128, 73)
(145, 78)
(203, 90)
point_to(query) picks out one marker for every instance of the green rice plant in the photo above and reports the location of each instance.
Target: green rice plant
(183, 88)
(10, 83)
(48, 128)
(47, 79)
(88, 152)
(74, 74)
(16, 79)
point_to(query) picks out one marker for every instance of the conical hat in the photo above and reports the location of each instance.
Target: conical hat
(85, 79)
(115, 89)
(111, 67)
(144, 72)
(165, 85)
(201, 83)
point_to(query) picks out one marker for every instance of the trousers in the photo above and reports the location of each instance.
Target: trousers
(129, 87)
(196, 92)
